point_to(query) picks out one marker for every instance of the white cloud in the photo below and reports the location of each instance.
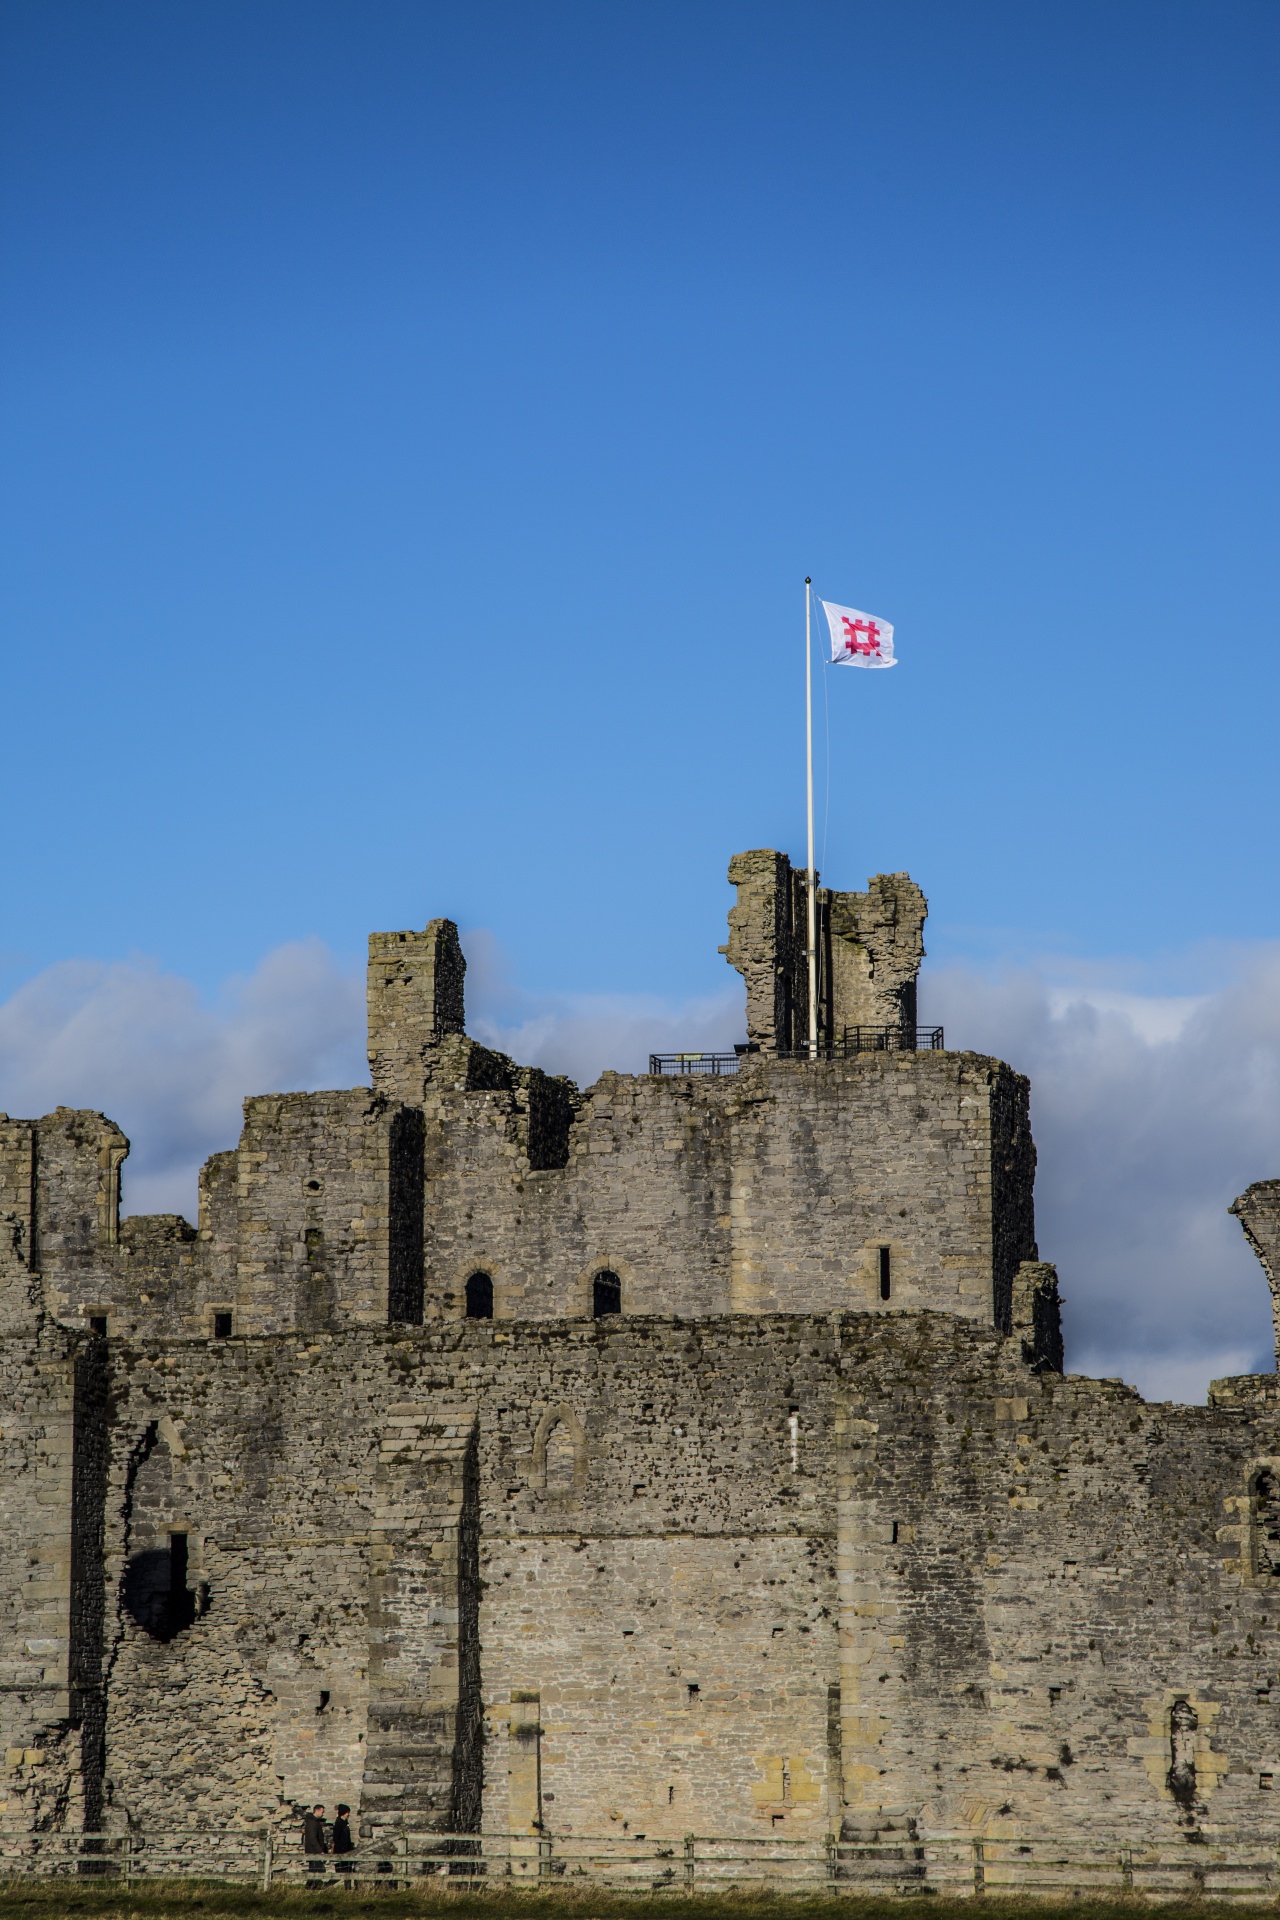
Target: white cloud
(582, 1034)
(1153, 1016)
(1151, 1112)
(141, 1046)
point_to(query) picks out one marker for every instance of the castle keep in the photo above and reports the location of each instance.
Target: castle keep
(688, 1453)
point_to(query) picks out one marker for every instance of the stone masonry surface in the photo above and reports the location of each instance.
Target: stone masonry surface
(674, 1455)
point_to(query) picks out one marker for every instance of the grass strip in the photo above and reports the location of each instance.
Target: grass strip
(176, 1899)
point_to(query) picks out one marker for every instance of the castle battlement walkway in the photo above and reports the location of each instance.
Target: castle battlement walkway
(900, 1039)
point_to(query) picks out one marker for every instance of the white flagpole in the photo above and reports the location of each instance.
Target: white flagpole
(808, 743)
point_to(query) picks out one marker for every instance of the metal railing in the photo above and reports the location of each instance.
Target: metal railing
(712, 1064)
(900, 1039)
(957, 1864)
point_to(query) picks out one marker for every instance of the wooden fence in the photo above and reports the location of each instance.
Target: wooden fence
(942, 1863)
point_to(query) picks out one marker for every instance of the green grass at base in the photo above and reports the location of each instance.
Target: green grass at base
(174, 1900)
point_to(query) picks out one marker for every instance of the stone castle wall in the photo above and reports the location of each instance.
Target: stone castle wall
(755, 1572)
(813, 1536)
(772, 1191)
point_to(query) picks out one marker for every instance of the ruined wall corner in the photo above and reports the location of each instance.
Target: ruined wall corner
(1258, 1211)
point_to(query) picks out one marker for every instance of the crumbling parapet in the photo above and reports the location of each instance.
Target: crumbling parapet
(1037, 1315)
(1258, 1211)
(767, 932)
(79, 1155)
(59, 1213)
(869, 949)
(19, 1283)
(876, 946)
(415, 999)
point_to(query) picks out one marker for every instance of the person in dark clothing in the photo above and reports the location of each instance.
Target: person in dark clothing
(342, 1841)
(313, 1838)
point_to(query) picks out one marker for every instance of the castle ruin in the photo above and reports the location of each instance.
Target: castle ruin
(687, 1453)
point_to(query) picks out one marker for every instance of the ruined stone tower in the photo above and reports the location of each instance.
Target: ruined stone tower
(870, 946)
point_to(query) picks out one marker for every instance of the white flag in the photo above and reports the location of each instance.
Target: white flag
(859, 639)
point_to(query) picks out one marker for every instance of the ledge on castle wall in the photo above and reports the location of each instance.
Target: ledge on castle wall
(1245, 1390)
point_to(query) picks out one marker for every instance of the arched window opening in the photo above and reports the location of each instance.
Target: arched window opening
(1266, 1524)
(479, 1297)
(606, 1295)
(560, 1459)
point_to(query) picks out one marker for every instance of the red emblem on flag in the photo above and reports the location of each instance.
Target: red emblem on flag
(858, 639)
(853, 629)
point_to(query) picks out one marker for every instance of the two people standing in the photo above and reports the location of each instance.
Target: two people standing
(319, 1839)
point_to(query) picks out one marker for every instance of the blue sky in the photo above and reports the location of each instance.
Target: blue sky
(417, 423)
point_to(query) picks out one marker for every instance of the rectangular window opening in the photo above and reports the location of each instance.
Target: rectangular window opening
(886, 1276)
(98, 1323)
(1267, 1781)
(177, 1563)
(324, 1699)
(222, 1326)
